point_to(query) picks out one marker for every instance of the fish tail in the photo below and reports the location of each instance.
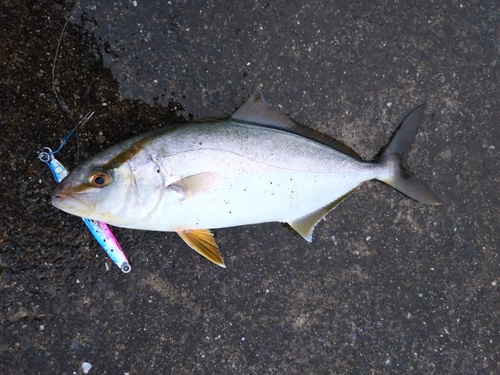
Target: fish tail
(395, 156)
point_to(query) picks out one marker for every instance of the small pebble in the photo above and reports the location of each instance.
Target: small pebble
(86, 367)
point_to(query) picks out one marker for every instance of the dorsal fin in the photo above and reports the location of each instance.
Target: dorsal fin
(257, 112)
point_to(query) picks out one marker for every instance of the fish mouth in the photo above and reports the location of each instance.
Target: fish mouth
(60, 195)
(66, 202)
(61, 200)
(71, 203)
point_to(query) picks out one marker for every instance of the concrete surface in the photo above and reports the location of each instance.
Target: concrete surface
(388, 285)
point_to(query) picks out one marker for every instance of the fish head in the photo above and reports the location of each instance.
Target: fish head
(121, 194)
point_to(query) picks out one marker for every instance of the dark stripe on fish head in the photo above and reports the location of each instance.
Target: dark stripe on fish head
(128, 153)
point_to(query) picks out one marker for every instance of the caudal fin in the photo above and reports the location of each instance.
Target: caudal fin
(396, 155)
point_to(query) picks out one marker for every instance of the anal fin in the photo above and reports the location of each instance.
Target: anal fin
(202, 241)
(305, 225)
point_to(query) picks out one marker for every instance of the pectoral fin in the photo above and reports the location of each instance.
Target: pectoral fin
(305, 225)
(202, 241)
(189, 186)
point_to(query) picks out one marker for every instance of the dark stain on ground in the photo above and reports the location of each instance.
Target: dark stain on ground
(387, 286)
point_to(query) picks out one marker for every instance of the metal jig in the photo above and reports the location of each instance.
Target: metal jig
(99, 230)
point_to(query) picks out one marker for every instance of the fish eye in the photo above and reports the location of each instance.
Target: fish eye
(100, 178)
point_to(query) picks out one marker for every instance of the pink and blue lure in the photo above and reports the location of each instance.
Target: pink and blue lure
(99, 230)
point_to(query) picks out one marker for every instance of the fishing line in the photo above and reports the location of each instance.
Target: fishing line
(64, 107)
(82, 122)
(62, 104)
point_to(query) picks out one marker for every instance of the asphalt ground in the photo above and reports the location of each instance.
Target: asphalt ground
(388, 286)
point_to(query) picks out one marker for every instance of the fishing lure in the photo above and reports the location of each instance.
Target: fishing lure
(99, 230)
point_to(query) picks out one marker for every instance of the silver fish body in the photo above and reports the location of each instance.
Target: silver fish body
(257, 166)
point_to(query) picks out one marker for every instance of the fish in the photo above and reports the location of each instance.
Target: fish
(255, 166)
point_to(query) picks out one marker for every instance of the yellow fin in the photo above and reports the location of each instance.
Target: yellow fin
(305, 225)
(202, 241)
(192, 185)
